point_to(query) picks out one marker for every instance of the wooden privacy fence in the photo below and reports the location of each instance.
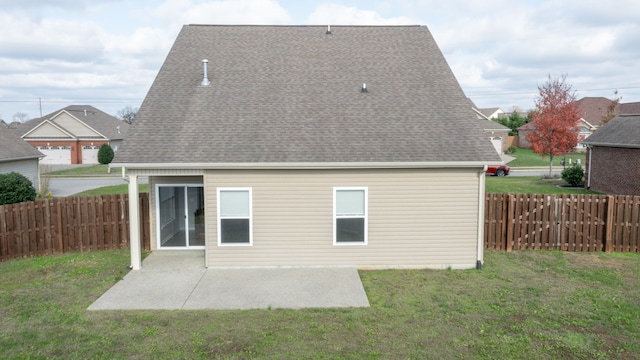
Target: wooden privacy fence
(562, 222)
(69, 224)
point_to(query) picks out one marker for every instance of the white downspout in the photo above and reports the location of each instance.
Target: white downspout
(590, 149)
(481, 195)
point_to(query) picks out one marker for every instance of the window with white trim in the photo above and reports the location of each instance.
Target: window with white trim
(350, 216)
(234, 216)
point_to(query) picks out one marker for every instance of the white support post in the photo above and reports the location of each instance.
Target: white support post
(481, 193)
(134, 224)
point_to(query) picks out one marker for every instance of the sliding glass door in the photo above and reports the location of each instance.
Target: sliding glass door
(180, 215)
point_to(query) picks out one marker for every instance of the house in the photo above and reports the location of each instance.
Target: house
(74, 134)
(613, 157)
(18, 156)
(271, 146)
(498, 133)
(491, 113)
(584, 131)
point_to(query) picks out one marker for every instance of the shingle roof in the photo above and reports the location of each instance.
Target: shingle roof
(629, 108)
(593, 109)
(292, 94)
(621, 131)
(14, 148)
(97, 119)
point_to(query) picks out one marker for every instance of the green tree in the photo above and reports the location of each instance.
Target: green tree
(15, 188)
(105, 154)
(514, 121)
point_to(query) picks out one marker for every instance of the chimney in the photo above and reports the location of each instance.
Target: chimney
(205, 79)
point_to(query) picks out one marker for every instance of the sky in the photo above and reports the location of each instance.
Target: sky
(106, 53)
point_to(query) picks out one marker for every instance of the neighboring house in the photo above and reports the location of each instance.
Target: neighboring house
(584, 132)
(300, 146)
(73, 135)
(613, 157)
(18, 156)
(491, 113)
(498, 133)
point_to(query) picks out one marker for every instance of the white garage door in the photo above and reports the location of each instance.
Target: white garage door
(497, 143)
(55, 154)
(90, 154)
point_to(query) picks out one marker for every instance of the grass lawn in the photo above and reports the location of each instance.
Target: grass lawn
(115, 189)
(526, 157)
(522, 305)
(85, 170)
(529, 185)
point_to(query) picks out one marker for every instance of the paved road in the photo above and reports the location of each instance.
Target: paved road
(69, 186)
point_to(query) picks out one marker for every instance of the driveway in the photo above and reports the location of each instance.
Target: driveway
(176, 280)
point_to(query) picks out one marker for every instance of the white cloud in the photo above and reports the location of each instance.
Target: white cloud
(348, 15)
(252, 12)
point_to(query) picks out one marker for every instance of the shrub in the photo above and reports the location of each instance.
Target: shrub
(511, 150)
(573, 175)
(105, 154)
(15, 188)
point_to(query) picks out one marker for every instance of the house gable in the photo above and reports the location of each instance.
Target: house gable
(48, 130)
(76, 126)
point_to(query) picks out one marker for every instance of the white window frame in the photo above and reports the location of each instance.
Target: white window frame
(220, 218)
(365, 216)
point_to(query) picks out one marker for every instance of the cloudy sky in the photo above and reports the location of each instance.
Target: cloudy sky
(106, 53)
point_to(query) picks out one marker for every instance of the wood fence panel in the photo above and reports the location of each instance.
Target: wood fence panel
(562, 222)
(62, 225)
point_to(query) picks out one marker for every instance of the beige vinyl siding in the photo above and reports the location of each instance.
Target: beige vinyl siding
(417, 218)
(47, 130)
(74, 126)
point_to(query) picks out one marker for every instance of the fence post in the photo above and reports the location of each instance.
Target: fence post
(608, 239)
(510, 220)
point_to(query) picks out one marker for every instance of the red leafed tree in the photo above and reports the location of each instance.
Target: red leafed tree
(555, 120)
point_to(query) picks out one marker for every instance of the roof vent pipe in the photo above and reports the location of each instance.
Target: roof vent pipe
(85, 112)
(364, 88)
(328, 30)
(205, 79)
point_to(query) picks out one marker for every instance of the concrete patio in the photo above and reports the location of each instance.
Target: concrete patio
(175, 280)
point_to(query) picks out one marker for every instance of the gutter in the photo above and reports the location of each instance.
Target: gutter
(22, 158)
(306, 165)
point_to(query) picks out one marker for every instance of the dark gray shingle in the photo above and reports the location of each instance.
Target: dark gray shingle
(621, 131)
(292, 94)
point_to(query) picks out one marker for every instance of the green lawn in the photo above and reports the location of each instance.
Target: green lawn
(529, 185)
(526, 157)
(84, 170)
(522, 305)
(115, 189)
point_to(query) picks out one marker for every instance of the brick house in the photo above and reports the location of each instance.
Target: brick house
(74, 134)
(613, 157)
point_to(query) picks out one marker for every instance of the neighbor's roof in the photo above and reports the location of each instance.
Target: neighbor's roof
(14, 148)
(97, 119)
(593, 109)
(292, 94)
(629, 108)
(621, 131)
